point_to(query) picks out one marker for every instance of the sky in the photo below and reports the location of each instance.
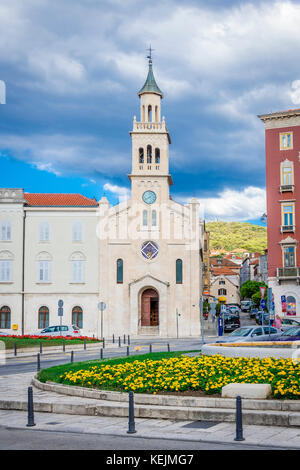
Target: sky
(72, 70)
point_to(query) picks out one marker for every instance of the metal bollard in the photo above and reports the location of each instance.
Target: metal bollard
(72, 356)
(128, 340)
(84, 344)
(131, 423)
(15, 348)
(38, 362)
(124, 339)
(41, 347)
(113, 339)
(168, 347)
(127, 351)
(101, 353)
(64, 345)
(30, 421)
(103, 343)
(119, 342)
(239, 420)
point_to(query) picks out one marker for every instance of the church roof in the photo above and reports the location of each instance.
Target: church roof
(150, 85)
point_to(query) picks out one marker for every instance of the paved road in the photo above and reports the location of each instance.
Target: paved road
(27, 439)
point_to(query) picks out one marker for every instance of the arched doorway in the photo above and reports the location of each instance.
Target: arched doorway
(150, 308)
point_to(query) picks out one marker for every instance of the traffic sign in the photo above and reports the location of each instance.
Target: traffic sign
(101, 306)
(283, 298)
(60, 311)
(262, 303)
(262, 292)
(60, 303)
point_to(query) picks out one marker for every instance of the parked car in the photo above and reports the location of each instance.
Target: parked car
(262, 318)
(231, 322)
(287, 323)
(60, 330)
(253, 312)
(233, 309)
(292, 334)
(249, 333)
(246, 305)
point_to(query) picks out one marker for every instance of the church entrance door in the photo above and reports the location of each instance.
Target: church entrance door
(150, 308)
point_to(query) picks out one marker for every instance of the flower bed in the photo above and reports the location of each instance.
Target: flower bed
(25, 341)
(206, 373)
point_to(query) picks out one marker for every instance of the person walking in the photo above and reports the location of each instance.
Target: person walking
(278, 322)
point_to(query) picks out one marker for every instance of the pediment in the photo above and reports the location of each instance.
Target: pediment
(150, 278)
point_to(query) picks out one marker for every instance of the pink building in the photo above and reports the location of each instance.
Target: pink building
(282, 140)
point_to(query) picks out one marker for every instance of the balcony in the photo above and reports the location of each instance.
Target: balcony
(288, 274)
(287, 188)
(287, 228)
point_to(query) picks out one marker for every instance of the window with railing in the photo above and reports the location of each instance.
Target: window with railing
(288, 217)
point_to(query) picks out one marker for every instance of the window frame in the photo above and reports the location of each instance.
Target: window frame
(77, 231)
(7, 317)
(44, 231)
(78, 311)
(6, 270)
(283, 214)
(6, 231)
(120, 271)
(283, 135)
(44, 312)
(44, 266)
(179, 271)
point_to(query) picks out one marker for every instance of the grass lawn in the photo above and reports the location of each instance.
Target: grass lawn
(31, 342)
(53, 373)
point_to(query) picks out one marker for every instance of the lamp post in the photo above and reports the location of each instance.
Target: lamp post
(177, 315)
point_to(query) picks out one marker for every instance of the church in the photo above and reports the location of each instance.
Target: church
(143, 258)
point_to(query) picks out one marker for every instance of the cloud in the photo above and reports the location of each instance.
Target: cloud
(120, 192)
(231, 205)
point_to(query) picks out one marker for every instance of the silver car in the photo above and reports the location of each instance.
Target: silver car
(288, 323)
(249, 333)
(60, 330)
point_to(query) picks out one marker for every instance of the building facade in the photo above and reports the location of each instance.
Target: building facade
(282, 140)
(143, 258)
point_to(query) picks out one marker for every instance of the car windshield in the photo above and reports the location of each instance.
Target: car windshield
(241, 332)
(295, 331)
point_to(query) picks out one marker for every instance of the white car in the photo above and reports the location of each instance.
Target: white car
(249, 333)
(60, 330)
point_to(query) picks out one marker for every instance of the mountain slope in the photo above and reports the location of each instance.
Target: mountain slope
(229, 236)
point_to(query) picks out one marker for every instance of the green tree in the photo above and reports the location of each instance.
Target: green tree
(249, 288)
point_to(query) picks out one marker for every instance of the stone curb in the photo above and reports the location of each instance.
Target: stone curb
(240, 351)
(167, 400)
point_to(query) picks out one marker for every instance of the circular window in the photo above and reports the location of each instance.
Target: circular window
(149, 250)
(149, 197)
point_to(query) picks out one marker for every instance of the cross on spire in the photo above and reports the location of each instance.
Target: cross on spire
(149, 56)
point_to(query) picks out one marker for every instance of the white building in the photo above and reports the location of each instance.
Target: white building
(143, 257)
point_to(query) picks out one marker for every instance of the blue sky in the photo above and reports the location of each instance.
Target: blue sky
(72, 71)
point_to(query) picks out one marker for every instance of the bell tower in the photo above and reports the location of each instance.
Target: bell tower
(150, 144)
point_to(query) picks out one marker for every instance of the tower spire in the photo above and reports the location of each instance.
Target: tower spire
(150, 85)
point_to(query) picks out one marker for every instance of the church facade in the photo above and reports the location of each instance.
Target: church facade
(142, 257)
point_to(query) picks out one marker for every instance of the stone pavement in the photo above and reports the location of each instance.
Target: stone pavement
(15, 388)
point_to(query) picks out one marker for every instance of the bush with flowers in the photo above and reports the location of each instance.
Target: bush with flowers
(184, 373)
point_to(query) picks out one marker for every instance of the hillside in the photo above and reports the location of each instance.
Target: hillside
(229, 236)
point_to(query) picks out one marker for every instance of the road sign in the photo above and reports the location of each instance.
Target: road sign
(283, 298)
(101, 306)
(60, 303)
(262, 303)
(60, 311)
(223, 308)
(262, 292)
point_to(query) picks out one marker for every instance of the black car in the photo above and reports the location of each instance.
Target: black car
(230, 322)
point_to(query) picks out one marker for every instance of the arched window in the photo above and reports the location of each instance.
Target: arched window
(156, 113)
(179, 271)
(44, 232)
(145, 218)
(154, 218)
(157, 155)
(149, 154)
(119, 271)
(5, 231)
(141, 155)
(149, 113)
(4, 317)
(77, 317)
(43, 317)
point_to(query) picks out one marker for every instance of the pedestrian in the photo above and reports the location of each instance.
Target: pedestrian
(278, 322)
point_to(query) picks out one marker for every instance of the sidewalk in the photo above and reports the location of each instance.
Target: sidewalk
(14, 388)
